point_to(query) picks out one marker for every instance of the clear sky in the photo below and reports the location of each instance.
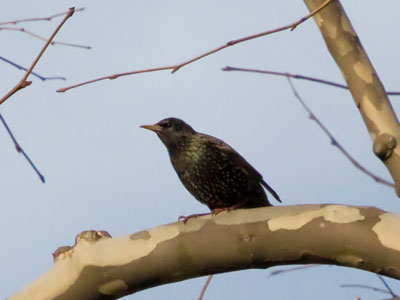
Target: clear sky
(105, 173)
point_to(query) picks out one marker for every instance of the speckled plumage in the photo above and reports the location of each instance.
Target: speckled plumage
(212, 171)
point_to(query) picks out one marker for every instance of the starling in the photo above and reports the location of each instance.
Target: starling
(211, 170)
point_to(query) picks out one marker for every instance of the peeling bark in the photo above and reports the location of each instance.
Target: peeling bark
(363, 82)
(101, 267)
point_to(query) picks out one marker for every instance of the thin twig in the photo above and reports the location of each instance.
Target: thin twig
(35, 35)
(176, 67)
(23, 82)
(33, 73)
(111, 77)
(334, 142)
(280, 271)
(364, 287)
(297, 76)
(387, 286)
(40, 19)
(20, 150)
(203, 290)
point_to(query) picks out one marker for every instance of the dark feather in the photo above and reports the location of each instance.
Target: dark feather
(211, 170)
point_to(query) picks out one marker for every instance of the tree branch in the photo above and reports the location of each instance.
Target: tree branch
(20, 150)
(101, 267)
(203, 290)
(364, 84)
(298, 268)
(313, 117)
(23, 82)
(297, 76)
(176, 67)
(43, 78)
(40, 19)
(363, 286)
(335, 142)
(387, 286)
(35, 35)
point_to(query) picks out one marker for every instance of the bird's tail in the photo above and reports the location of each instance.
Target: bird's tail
(271, 190)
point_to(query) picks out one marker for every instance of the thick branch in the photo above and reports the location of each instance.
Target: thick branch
(363, 82)
(101, 267)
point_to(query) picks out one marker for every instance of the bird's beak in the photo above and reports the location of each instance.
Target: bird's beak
(155, 127)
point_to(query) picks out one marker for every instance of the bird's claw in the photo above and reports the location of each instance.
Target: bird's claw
(185, 219)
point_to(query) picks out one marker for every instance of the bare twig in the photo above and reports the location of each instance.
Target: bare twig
(61, 90)
(176, 67)
(364, 287)
(297, 76)
(334, 142)
(280, 271)
(33, 73)
(40, 19)
(387, 286)
(387, 291)
(23, 82)
(35, 35)
(203, 290)
(20, 150)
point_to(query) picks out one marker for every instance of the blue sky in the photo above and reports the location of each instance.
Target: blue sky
(103, 172)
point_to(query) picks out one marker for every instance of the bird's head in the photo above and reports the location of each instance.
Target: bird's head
(172, 132)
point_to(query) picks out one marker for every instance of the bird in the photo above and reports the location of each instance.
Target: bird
(211, 170)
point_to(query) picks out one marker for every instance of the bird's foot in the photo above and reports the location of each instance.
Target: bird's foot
(217, 211)
(214, 212)
(185, 219)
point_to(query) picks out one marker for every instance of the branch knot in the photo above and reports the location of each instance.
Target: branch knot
(384, 145)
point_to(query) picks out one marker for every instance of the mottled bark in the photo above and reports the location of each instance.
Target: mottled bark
(101, 267)
(363, 82)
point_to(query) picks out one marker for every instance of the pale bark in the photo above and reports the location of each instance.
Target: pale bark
(363, 82)
(101, 267)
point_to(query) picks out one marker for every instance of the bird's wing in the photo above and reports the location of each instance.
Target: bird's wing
(239, 160)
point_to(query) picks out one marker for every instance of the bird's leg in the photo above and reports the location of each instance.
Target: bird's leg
(217, 211)
(238, 205)
(185, 219)
(214, 212)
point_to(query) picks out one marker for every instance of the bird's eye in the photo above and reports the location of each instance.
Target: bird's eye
(165, 125)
